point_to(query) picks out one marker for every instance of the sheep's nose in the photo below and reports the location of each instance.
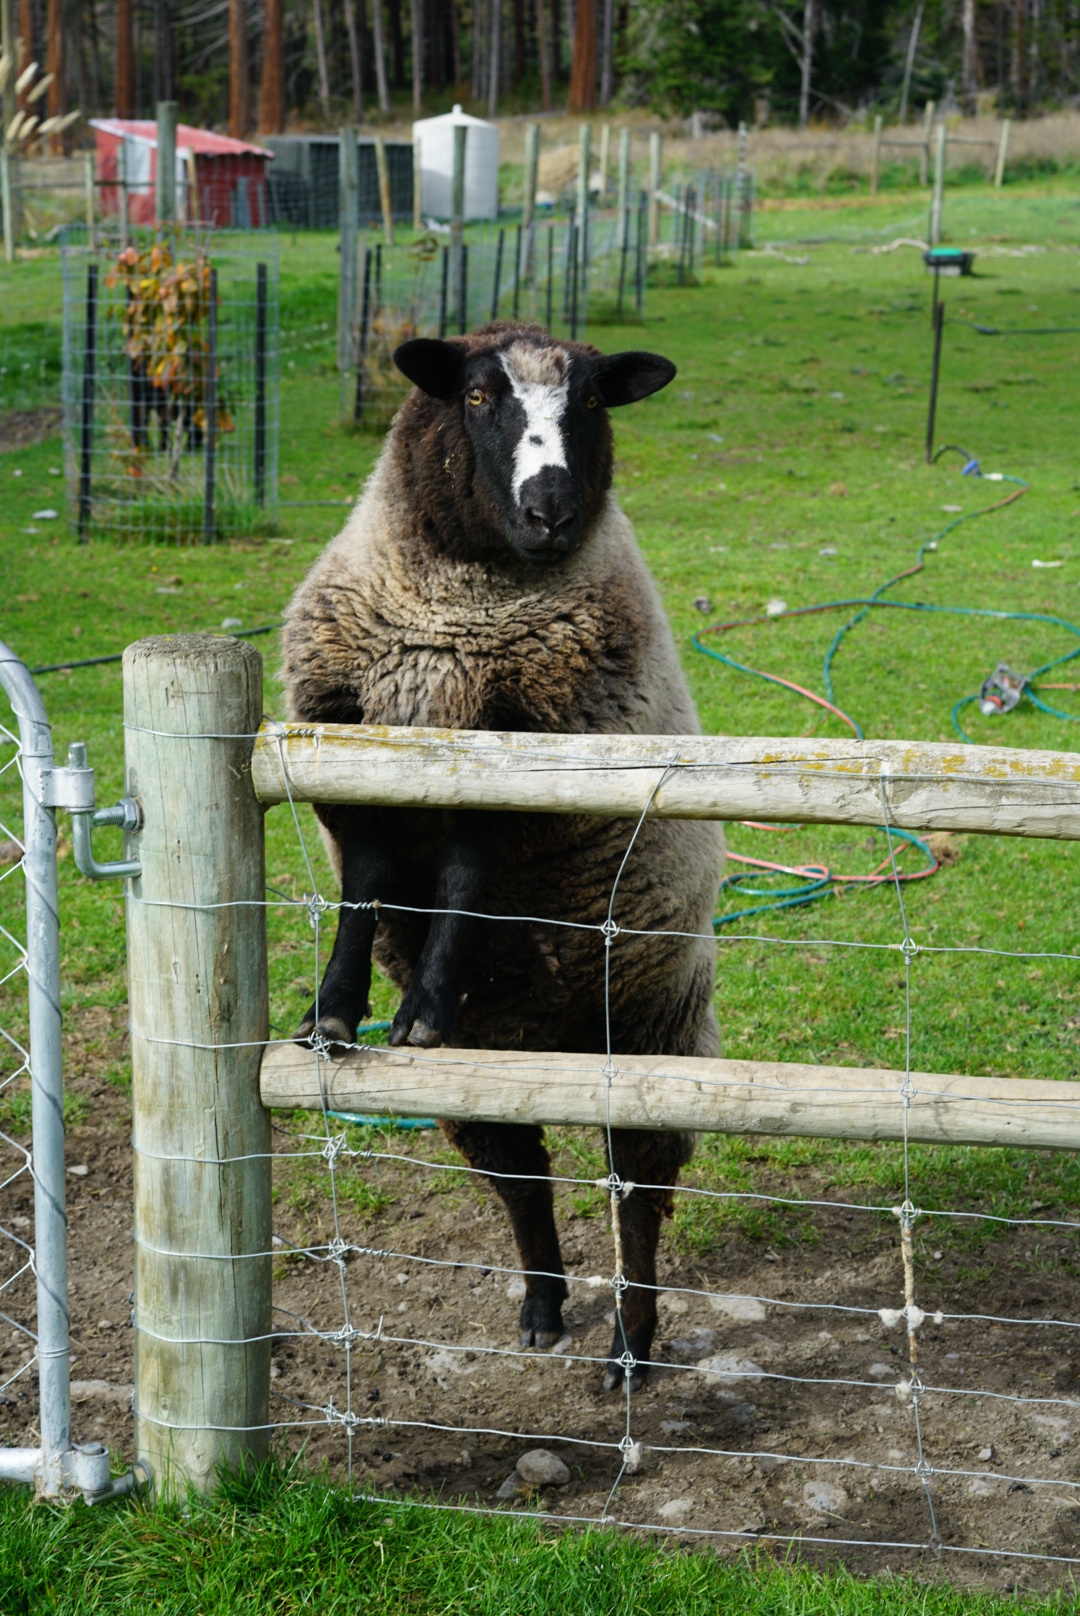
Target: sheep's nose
(557, 518)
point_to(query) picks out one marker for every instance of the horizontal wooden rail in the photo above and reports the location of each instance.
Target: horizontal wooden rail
(925, 786)
(656, 1091)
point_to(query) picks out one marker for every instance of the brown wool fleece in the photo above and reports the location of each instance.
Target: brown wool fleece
(398, 624)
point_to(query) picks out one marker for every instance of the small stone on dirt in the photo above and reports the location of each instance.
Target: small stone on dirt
(738, 1307)
(513, 1484)
(731, 1366)
(675, 1509)
(539, 1468)
(79, 1172)
(986, 1453)
(515, 1290)
(825, 1497)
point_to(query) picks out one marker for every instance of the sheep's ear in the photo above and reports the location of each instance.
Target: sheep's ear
(623, 378)
(435, 367)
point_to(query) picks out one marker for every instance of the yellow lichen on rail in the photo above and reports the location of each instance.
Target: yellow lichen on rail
(912, 785)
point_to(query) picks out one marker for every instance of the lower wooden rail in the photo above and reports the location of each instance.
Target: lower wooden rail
(656, 1091)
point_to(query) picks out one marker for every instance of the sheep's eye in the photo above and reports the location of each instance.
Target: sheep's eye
(475, 397)
(592, 402)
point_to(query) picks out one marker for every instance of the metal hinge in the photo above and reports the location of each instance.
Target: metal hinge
(73, 788)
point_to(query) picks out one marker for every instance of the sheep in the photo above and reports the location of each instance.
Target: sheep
(487, 579)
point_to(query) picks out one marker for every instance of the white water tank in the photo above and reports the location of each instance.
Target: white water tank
(433, 144)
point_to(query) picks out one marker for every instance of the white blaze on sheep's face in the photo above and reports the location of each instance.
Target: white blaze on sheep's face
(540, 382)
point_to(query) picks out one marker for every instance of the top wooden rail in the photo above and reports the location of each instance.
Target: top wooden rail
(919, 786)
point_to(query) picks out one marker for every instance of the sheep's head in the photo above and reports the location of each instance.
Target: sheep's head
(535, 415)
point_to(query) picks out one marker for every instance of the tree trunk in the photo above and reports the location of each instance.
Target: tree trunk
(397, 40)
(909, 65)
(239, 105)
(381, 85)
(607, 61)
(1019, 73)
(809, 23)
(356, 59)
(967, 71)
(272, 93)
(93, 42)
(320, 59)
(556, 43)
(125, 60)
(455, 41)
(417, 56)
(495, 72)
(478, 43)
(583, 59)
(545, 61)
(519, 41)
(164, 74)
(57, 91)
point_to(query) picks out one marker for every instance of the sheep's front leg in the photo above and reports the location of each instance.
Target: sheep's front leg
(470, 853)
(365, 839)
(515, 1159)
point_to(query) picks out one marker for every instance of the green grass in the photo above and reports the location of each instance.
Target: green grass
(289, 1543)
(813, 377)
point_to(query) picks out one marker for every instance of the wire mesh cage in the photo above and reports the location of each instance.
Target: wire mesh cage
(170, 383)
(17, 1303)
(433, 285)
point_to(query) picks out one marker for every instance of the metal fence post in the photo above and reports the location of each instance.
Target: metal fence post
(349, 217)
(6, 206)
(199, 1017)
(165, 169)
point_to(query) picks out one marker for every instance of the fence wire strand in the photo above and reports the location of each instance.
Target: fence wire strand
(347, 1330)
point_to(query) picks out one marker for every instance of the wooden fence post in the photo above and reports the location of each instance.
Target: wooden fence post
(1003, 151)
(937, 200)
(656, 179)
(875, 158)
(924, 155)
(197, 990)
(383, 170)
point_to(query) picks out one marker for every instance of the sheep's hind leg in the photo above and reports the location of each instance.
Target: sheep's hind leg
(364, 837)
(641, 1157)
(427, 1010)
(516, 1163)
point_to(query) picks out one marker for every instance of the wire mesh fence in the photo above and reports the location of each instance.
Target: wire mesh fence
(170, 384)
(854, 1407)
(850, 1394)
(18, 1339)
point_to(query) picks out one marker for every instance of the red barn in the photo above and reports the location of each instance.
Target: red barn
(219, 181)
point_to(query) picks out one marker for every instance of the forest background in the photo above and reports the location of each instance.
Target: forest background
(257, 66)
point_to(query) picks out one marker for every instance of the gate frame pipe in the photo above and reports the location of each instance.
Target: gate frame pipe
(197, 989)
(46, 1081)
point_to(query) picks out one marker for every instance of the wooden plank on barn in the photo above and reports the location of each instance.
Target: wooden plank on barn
(914, 785)
(657, 1091)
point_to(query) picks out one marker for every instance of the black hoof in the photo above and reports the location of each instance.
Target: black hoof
(332, 1028)
(541, 1319)
(419, 1034)
(630, 1352)
(616, 1374)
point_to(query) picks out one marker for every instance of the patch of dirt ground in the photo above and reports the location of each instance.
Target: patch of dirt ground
(446, 1404)
(21, 428)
